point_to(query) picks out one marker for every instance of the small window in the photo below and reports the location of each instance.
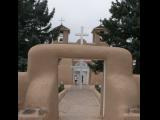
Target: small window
(100, 38)
(60, 38)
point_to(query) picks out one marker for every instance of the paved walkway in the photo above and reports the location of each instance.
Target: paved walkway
(79, 103)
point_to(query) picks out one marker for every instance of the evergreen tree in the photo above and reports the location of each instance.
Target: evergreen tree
(96, 66)
(123, 29)
(33, 27)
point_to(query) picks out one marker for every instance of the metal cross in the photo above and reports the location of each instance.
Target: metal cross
(61, 20)
(81, 35)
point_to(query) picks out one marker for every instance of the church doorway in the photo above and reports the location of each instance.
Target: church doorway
(81, 73)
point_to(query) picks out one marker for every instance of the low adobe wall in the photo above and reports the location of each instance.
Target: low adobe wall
(22, 88)
(136, 77)
(63, 93)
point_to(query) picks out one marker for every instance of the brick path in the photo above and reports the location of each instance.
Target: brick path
(79, 103)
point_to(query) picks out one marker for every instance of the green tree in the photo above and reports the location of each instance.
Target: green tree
(96, 66)
(34, 27)
(124, 29)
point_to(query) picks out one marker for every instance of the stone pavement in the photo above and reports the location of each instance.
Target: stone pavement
(79, 103)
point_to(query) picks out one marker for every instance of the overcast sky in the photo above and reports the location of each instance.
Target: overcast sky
(77, 13)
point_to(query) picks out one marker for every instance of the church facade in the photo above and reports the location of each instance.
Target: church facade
(77, 71)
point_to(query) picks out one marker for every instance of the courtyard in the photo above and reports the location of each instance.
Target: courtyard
(79, 103)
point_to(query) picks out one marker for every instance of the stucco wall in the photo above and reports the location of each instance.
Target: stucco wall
(42, 73)
(96, 78)
(65, 71)
(22, 88)
(136, 77)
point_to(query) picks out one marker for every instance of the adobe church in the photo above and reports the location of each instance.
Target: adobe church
(77, 71)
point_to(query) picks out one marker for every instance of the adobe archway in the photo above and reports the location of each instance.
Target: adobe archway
(120, 89)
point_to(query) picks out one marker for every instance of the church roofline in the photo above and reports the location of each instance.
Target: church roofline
(62, 27)
(100, 27)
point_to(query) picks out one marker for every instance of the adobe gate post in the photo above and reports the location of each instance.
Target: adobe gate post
(120, 90)
(43, 86)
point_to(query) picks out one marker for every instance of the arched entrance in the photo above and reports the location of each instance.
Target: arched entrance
(120, 90)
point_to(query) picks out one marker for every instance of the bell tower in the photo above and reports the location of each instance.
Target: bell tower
(96, 31)
(63, 34)
(97, 39)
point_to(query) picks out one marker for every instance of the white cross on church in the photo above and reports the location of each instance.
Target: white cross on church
(81, 34)
(81, 38)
